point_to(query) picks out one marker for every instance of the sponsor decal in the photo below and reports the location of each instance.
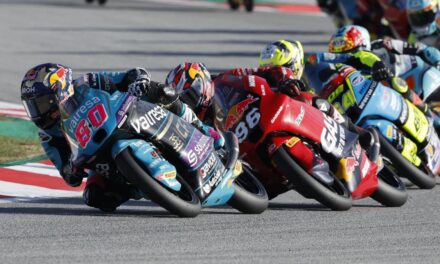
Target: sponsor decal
(236, 112)
(103, 169)
(121, 114)
(298, 120)
(404, 114)
(207, 187)
(44, 137)
(263, 90)
(197, 149)
(357, 80)
(292, 141)
(149, 119)
(209, 164)
(332, 138)
(251, 80)
(368, 95)
(365, 167)
(389, 131)
(350, 166)
(274, 118)
(77, 116)
(26, 90)
(176, 142)
(59, 77)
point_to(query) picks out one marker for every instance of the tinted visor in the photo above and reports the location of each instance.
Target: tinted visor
(422, 18)
(36, 107)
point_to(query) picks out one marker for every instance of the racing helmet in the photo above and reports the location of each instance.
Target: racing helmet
(422, 15)
(284, 53)
(349, 38)
(39, 92)
(193, 83)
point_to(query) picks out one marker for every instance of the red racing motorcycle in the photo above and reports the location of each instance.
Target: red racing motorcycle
(289, 140)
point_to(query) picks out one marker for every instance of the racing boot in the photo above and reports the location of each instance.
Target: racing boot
(105, 195)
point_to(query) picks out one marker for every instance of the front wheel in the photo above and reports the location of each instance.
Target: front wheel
(184, 203)
(405, 168)
(250, 196)
(336, 197)
(390, 189)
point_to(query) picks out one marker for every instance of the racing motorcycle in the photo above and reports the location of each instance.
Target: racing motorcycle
(164, 157)
(407, 137)
(288, 139)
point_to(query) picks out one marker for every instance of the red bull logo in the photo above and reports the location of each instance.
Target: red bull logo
(58, 77)
(236, 112)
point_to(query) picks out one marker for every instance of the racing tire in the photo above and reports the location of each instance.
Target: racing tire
(249, 5)
(336, 197)
(404, 167)
(184, 203)
(250, 196)
(234, 4)
(390, 191)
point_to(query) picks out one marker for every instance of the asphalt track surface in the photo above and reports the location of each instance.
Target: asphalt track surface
(158, 36)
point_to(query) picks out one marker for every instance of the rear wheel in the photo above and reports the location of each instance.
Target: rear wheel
(390, 190)
(336, 197)
(250, 196)
(184, 203)
(405, 168)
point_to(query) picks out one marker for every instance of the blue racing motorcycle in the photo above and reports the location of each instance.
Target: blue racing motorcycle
(407, 137)
(161, 155)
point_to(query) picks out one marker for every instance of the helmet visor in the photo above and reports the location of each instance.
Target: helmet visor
(36, 107)
(422, 18)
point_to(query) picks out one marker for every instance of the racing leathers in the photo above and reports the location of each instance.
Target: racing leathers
(396, 53)
(100, 191)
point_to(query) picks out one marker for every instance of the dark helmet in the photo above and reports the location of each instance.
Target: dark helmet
(194, 85)
(39, 92)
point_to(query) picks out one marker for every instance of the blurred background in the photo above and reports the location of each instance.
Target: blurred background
(156, 34)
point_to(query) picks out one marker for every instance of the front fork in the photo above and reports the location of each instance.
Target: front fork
(151, 160)
(304, 156)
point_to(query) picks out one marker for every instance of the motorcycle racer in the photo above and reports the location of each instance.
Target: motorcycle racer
(39, 96)
(423, 17)
(351, 45)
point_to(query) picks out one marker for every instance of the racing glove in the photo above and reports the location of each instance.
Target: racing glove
(72, 175)
(291, 87)
(219, 141)
(140, 85)
(380, 71)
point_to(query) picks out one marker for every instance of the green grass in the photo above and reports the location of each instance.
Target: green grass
(13, 149)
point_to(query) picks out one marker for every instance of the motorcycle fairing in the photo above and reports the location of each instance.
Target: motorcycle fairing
(84, 136)
(204, 169)
(404, 145)
(358, 172)
(374, 99)
(416, 123)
